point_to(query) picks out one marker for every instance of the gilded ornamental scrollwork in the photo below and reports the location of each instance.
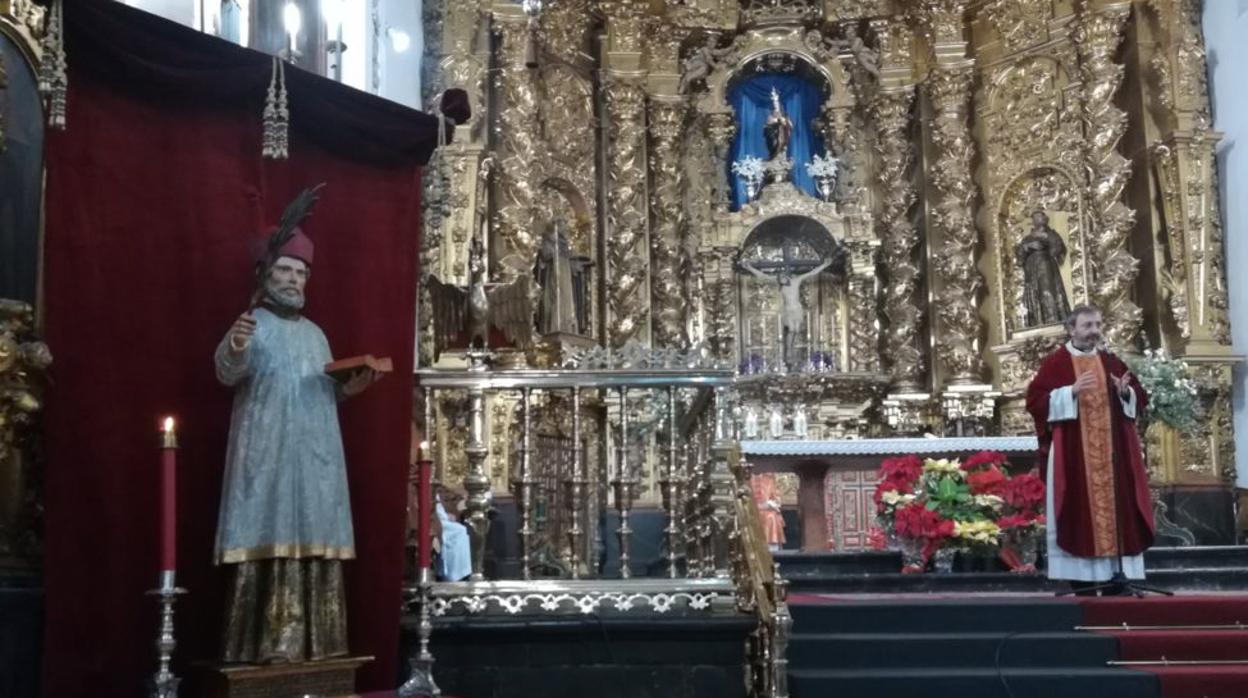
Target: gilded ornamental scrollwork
(24, 361)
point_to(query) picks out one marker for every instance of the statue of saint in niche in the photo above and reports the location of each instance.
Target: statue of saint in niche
(561, 277)
(778, 130)
(792, 313)
(1040, 255)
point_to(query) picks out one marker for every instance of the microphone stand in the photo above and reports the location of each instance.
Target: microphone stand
(1118, 582)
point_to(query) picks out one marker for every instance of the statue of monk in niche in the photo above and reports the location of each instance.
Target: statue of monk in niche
(560, 276)
(1040, 255)
(778, 130)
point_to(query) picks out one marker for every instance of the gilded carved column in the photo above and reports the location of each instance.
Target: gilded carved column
(668, 112)
(515, 235)
(627, 268)
(667, 206)
(721, 127)
(957, 280)
(891, 111)
(719, 301)
(953, 218)
(627, 258)
(864, 334)
(1114, 268)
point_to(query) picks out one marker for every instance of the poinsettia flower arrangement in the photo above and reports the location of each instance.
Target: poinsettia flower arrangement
(898, 478)
(939, 504)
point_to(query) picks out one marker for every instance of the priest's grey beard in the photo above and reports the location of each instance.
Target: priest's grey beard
(287, 298)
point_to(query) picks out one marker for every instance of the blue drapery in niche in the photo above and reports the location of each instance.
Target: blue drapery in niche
(751, 98)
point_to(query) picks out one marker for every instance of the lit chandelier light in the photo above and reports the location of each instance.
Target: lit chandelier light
(292, 20)
(334, 13)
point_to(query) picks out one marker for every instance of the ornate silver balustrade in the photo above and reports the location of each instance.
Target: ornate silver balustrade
(693, 402)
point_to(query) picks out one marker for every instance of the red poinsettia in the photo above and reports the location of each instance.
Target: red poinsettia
(897, 474)
(905, 469)
(988, 481)
(1024, 491)
(983, 458)
(917, 521)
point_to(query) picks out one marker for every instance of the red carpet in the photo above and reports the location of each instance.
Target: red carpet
(1228, 642)
(1210, 609)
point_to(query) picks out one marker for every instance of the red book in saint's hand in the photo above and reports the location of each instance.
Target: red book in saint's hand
(342, 369)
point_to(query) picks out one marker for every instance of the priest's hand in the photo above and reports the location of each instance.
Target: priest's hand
(359, 382)
(1087, 381)
(241, 332)
(1123, 384)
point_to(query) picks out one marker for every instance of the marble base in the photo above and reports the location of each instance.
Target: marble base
(1207, 513)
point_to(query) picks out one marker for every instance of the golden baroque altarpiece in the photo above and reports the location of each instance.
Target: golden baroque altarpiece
(952, 122)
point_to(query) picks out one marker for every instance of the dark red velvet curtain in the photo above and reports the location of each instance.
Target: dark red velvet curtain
(153, 194)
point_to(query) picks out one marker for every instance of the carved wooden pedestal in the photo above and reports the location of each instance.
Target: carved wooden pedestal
(329, 678)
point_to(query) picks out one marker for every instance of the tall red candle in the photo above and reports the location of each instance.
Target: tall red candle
(424, 495)
(168, 496)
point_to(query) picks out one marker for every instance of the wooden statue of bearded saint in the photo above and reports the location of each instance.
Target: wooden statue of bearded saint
(285, 520)
(1039, 255)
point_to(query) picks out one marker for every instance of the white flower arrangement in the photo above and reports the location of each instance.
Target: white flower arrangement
(988, 501)
(943, 465)
(821, 166)
(1171, 392)
(749, 168)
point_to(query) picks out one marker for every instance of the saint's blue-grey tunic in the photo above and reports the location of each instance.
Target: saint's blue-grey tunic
(285, 488)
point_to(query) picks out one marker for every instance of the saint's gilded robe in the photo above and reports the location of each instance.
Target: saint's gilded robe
(1097, 479)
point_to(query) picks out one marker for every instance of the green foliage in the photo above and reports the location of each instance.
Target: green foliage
(1171, 393)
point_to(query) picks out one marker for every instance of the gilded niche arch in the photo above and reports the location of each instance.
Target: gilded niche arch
(1056, 191)
(775, 50)
(787, 246)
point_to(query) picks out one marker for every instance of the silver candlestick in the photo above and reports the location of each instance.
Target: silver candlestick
(420, 683)
(163, 683)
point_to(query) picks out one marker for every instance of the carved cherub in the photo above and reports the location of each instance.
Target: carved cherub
(701, 62)
(866, 56)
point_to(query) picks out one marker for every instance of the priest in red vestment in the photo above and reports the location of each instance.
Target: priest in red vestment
(1085, 401)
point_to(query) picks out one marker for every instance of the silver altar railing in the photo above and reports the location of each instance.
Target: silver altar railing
(710, 519)
(615, 387)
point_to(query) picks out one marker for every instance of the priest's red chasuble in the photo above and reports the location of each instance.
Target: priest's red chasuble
(1100, 484)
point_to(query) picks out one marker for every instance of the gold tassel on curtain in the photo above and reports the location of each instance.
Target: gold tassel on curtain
(276, 142)
(53, 76)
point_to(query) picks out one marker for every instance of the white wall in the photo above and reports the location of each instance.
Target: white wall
(180, 11)
(400, 70)
(1226, 26)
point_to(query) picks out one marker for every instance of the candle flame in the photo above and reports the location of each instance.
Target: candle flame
(168, 425)
(424, 446)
